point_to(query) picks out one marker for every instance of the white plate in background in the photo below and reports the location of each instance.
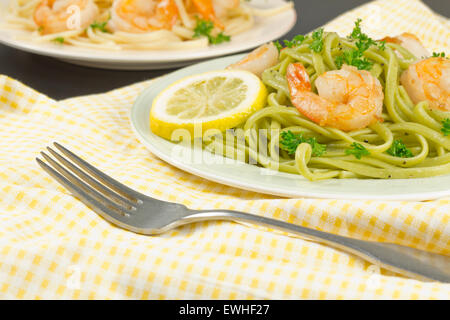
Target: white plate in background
(265, 30)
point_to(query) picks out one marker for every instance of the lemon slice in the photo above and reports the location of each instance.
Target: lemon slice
(213, 100)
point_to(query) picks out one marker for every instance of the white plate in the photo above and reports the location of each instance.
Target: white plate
(265, 30)
(253, 178)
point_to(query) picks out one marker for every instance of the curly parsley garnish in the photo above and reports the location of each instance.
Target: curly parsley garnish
(358, 150)
(356, 57)
(204, 29)
(446, 127)
(290, 141)
(317, 44)
(398, 149)
(278, 45)
(59, 40)
(221, 37)
(296, 41)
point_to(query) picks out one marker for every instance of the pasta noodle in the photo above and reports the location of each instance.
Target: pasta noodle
(238, 20)
(417, 126)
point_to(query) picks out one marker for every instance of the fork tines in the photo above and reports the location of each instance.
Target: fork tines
(94, 188)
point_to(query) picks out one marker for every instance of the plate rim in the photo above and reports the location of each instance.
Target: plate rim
(247, 186)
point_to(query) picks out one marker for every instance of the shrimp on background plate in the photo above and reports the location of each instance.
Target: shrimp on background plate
(348, 99)
(52, 16)
(214, 10)
(141, 16)
(429, 79)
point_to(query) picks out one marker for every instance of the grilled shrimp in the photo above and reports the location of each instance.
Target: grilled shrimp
(348, 99)
(52, 16)
(429, 79)
(258, 60)
(410, 42)
(214, 10)
(139, 16)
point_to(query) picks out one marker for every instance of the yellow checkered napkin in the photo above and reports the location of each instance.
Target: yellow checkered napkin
(52, 246)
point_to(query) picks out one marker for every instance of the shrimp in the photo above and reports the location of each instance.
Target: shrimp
(223, 7)
(411, 43)
(52, 16)
(258, 60)
(214, 10)
(429, 79)
(348, 99)
(140, 16)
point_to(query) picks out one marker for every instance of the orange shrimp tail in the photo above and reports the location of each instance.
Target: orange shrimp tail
(391, 40)
(206, 9)
(37, 16)
(298, 78)
(301, 95)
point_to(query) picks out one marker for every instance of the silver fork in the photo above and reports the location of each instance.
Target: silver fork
(142, 214)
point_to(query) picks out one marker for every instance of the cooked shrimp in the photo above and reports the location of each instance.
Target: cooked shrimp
(139, 16)
(348, 99)
(429, 79)
(410, 42)
(223, 7)
(214, 10)
(258, 60)
(53, 16)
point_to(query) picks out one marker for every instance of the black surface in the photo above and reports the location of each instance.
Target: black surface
(61, 80)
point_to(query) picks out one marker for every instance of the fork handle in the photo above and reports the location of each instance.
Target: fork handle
(400, 259)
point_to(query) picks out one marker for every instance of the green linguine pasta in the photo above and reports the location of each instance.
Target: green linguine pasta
(409, 143)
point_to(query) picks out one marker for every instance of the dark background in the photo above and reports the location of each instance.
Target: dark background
(61, 80)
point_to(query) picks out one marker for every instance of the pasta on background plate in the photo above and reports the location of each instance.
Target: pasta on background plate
(135, 24)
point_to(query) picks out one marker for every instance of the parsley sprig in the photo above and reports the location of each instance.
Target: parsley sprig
(446, 127)
(100, 26)
(398, 149)
(278, 45)
(317, 44)
(296, 41)
(59, 40)
(363, 43)
(358, 150)
(438, 55)
(290, 141)
(353, 58)
(204, 28)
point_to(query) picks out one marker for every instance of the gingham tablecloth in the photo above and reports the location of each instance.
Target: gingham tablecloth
(52, 246)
